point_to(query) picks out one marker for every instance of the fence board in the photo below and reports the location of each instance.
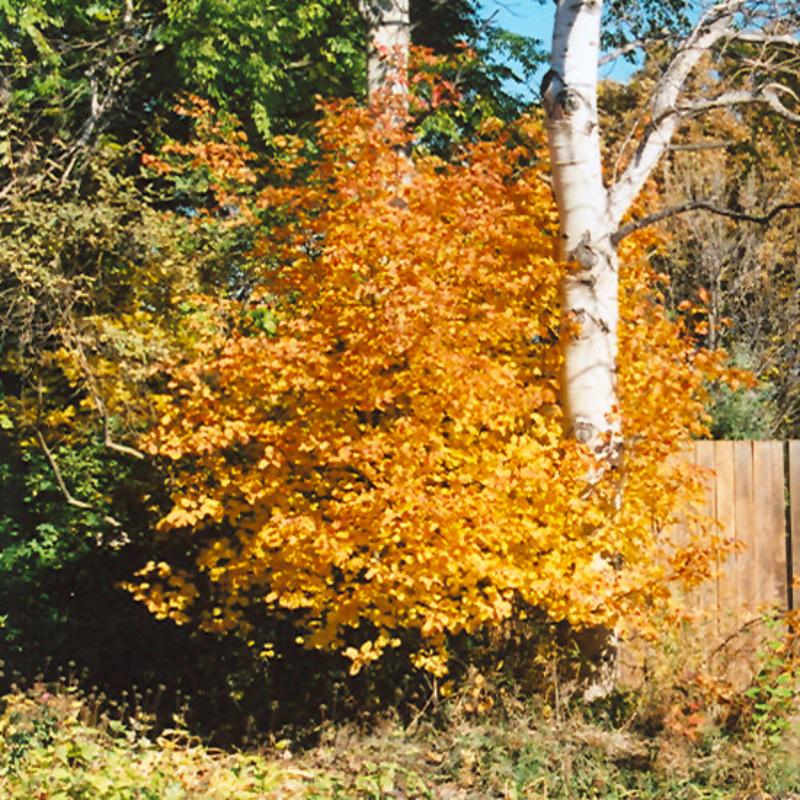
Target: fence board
(746, 494)
(761, 498)
(745, 518)
(707, 592)
(794, 516)
(730, 566)
(776, 511)
(771, 533)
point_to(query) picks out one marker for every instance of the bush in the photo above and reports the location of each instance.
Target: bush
(371, 443)
(55, 744)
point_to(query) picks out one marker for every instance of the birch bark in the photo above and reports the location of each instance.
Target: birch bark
(590, 214)
(388, 41)
(589, 292)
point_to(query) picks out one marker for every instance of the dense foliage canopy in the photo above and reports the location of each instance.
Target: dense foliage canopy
(371, 439)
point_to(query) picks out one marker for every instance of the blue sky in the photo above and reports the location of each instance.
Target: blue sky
(527, 17)
(532, 18)
(522, 16)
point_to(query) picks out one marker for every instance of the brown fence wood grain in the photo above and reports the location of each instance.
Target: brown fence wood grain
(728, 591)
(753, 490)
(794, 518)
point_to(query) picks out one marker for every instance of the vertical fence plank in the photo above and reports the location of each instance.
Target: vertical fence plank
(761, 498)
(745, 520)
(707, 592)
(770, 542)
(679, 531)
(728, 579)
(794, 515)
(776, 511)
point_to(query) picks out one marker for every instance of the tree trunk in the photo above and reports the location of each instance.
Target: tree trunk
(589, 292)
(388, 40)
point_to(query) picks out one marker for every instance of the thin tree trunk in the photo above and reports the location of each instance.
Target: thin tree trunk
(388, 40)
(589, 292)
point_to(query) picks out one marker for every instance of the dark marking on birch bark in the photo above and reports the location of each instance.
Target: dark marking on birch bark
(583, 252)
(602, 324)
(569, 100)
(580, 316)
(584, 432)
(547, 80)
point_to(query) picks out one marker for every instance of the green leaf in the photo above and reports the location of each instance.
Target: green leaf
(264, 320)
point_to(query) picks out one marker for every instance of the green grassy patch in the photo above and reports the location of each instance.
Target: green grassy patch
(54, 745)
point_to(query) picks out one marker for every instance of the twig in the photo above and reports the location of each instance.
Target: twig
(68, 496)
(697, 146)
(700, 205)
(752, 623)
(631, 46)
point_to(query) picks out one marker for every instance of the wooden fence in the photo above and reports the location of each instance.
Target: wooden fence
(755, 495)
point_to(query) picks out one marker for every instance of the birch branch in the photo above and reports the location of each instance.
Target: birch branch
(710, 28)
(767, 94)
(700, 205)
(762, 37)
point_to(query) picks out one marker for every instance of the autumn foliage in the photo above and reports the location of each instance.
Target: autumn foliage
(371, 442)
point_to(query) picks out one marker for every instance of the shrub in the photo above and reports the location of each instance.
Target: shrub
(371, 443)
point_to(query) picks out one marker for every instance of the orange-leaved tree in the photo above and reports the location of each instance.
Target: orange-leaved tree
(371, 442)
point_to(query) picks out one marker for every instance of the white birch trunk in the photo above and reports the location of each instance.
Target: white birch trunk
(589, 292)
(589, 300)
(590, 215)
(388, 41)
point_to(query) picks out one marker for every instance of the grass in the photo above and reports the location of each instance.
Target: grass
(685, 734)
(54, 747)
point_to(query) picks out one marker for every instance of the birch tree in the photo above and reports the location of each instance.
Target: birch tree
(388, 27)
(760, 38)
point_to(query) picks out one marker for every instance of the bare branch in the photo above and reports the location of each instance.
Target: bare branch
(770, 94)
(700, 205)
(767, 94)
(632, 46)
(694, 147)
(68, 497)
(712, 26)
(762, 37)
(120, 448)
(98, 110)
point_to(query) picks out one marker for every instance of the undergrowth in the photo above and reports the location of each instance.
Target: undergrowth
(713, 727)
